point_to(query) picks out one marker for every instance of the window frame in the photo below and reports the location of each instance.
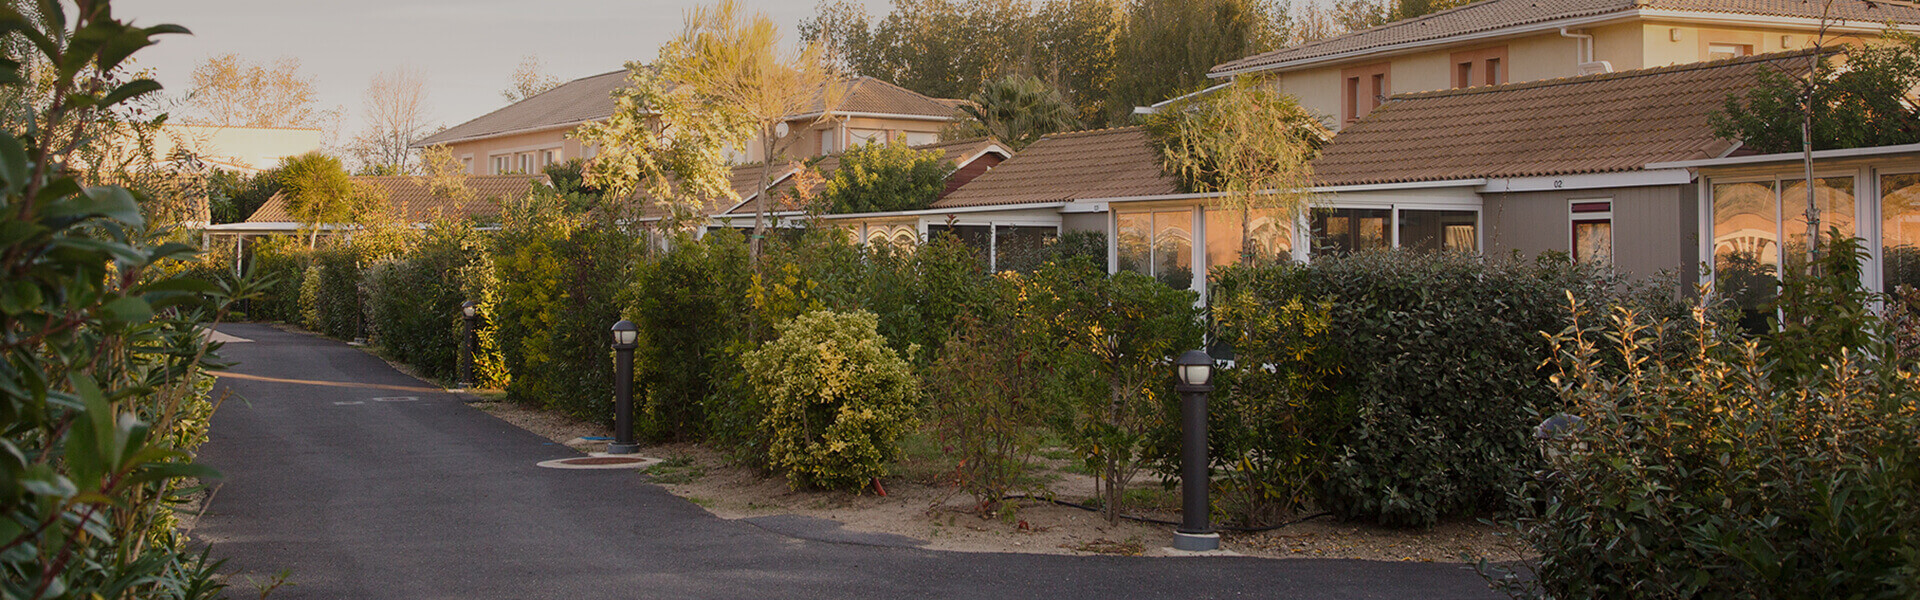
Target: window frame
(1576, 216)
(1376, 78)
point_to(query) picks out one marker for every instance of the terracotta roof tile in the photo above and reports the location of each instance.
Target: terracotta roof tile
(953, 151)
(1594, 124)
(416, 202)
(1104, 163)
(1489, 15)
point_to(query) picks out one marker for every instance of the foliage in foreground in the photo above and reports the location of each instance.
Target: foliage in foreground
(1714, 473)
(103, 368)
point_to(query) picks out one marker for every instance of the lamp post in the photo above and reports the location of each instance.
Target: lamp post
(470, 311)
(624, 337)
(1195, 369)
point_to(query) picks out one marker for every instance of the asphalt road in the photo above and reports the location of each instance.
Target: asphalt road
(332, 472)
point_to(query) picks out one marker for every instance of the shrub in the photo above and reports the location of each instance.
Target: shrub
(336, 307)
(280, 263)
(985, 397)
(884, 177)
(1439, 367)
(414, 302)
(1114, 339)
(1273, 427)
(837, 398)
(690, 306)
(1696, 476)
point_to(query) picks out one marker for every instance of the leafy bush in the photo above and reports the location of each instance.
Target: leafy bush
(1439, 367)
(414, 302)
(335, 306)
(103, 393)
(1700, 476)
(1113, 340)
(281, 264)
(689, 306)
(1273, 427)
(837, 398)
(882, 177)
(986, 398)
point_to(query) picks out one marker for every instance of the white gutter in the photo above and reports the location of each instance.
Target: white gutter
(484, 136)
(1588, 181)
(842, 113)
(926, 211)
(1155, 107)
(1787, 157)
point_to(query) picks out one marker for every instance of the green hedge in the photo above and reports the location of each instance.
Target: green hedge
(1422, 378)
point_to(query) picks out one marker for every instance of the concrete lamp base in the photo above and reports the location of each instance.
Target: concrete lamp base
(1196, 542)
(623, 448)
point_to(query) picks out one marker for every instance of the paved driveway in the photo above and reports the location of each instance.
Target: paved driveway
(366, 484)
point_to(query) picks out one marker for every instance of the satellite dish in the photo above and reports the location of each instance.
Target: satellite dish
(781, 129)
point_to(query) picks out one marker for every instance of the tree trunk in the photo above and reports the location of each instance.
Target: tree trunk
(760, 211)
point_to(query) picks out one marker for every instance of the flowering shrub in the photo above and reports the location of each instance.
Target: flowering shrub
(837, 399)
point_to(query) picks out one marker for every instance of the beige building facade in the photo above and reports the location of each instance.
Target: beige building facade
(526, 136)
(1512, 41)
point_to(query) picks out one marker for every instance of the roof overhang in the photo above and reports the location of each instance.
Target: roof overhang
(875, 115)
(488, 136)
(1665, 15)
(1589, 181)
(1757, 159)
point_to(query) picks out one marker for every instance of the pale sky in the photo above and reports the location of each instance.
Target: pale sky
(467, 48)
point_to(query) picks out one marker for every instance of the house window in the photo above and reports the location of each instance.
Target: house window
(1439, 230)
(921, 138)
(1158, 244)
(1899, 231)
(466, 165)
(826, 141)
(548, 157)
(1592, 231)
(1760, 226)
(502, 164)
(1366, 88)
(1271, 230)
(1486, 66)
(866, 136)
(1021, 248)
(1722, 50)
(1344, 230)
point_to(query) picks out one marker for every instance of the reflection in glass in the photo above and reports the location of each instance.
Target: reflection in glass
(1593, 242)
(1021, 248)
(1173, 248)
(1900, 231)
(1272, 233)
(1439, 230)
(1832, 195)
(1341, 230)
(1132, 246)
(1746, 242)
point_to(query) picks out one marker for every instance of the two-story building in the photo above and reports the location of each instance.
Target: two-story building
(1512, 41)
(528, 135)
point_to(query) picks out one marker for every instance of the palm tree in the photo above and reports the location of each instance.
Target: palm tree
(1017, 110)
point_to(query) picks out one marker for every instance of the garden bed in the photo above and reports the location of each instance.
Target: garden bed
(946, 519)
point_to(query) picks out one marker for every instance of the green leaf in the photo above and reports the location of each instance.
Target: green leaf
(15, 168)
(130, 90)
(129, 309)
(20, 297)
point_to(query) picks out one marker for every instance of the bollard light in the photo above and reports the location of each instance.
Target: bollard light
(469, 311)
(1195, 372)
(625, 336)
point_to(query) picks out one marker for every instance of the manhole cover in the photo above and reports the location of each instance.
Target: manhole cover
(602, 460)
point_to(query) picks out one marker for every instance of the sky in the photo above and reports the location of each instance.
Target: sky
(467, 48)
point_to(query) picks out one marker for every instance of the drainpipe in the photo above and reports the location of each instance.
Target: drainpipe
(1583, 54)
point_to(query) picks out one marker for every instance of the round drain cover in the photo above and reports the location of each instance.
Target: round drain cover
(602, 460)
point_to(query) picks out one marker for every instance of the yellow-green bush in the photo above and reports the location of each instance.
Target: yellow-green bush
(837, 398)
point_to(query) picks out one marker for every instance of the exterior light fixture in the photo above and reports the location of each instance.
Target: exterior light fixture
(1195, 534)
(625, 336)
(470, 312)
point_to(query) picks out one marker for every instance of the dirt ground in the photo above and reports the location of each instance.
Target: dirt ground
(947, 520)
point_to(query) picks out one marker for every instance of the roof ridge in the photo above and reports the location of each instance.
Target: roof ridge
(1650, 71)
(1088, 132)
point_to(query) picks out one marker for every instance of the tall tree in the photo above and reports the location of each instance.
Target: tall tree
(670, 144)
(528, 80)
(1170, 45)
(395, 110)
(230, 90)
(1016, 110)
(1076, 51)
(732, 62)
(319, 193)
(1247, 142)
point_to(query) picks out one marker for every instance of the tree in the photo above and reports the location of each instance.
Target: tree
(318, 192)
(395, 109)
(732, 63)
(230, 90)
(1247, 142)
(236, 195)
(1171, 45)
(1016, 110)
(885, 177)
(1075, 51)
(666, 142)
(528, 80)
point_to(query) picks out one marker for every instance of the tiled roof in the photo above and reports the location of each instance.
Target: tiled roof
(1489, 15)
(415, 202)
(1103, 163)
(591, 99)
(1594, 124)
(581, 100)
(956, 150)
